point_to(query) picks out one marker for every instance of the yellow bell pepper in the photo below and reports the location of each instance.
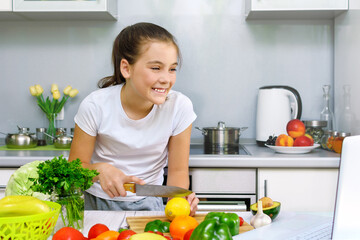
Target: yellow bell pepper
(14, 206)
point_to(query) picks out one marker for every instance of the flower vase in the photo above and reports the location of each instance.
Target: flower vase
(51, 130)
(72, 211)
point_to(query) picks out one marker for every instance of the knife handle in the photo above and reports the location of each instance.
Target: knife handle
(130, 187)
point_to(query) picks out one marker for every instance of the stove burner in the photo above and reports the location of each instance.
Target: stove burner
(200, 149)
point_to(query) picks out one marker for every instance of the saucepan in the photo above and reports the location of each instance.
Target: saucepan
(221, 139)
(21, 140)
(61, 141)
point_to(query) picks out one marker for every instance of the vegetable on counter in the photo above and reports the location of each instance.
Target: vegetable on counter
(230, 219)
(157, 226)
(65, 180)
(14, 206)
(21, 181)
(260, 219)
(217, 225)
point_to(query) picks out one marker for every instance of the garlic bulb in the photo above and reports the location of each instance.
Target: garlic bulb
(260, 219)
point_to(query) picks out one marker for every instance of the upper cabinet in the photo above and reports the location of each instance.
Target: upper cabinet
(63, 9)
(5, 5)
(294, 9)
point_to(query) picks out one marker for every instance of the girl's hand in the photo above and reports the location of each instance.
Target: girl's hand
(112, 180)
(193, 200)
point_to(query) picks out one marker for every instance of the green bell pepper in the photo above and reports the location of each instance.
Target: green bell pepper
(157, 226)
(230, 219)
(211, 229)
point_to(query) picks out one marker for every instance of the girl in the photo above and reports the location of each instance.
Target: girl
(135, 125)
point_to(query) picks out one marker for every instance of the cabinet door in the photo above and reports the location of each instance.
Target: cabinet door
(300, 189)
(5, 5)
(297, 4)
(5, 174)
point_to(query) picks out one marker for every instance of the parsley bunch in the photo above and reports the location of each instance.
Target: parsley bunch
(63, 177)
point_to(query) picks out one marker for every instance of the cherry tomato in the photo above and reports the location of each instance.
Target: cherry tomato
(241, 221)
(96, 230)
(125, 234)
(188, 234)
(68, 233)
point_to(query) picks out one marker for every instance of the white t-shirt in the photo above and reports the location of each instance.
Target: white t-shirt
(136, 147)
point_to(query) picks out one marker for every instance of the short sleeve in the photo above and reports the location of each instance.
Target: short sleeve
(88, 116)
(184, 115)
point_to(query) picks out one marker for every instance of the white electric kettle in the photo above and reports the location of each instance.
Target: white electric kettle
(276, 106)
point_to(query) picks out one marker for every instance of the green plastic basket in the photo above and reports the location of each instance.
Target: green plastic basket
(31, 227)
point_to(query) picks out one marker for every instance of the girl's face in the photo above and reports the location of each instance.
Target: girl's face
(151, 77)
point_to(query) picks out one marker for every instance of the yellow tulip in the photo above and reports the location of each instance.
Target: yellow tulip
(73, 92)
(56, 94)
(54, 87)
(67, 90)
(33, 91)
(39, 89)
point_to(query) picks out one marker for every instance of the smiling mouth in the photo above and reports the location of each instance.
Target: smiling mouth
(160, 90)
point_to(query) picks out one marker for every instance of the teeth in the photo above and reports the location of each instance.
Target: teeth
(159, 90)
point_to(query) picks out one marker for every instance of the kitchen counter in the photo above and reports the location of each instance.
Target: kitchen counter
(117, 219)
(259, 157)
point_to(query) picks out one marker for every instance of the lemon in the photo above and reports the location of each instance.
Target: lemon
(176, 207)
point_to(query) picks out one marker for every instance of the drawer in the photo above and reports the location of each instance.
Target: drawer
(223, 180)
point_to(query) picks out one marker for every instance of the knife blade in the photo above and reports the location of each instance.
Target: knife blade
(156, 190)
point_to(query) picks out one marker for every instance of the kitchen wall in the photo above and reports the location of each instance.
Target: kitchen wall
(225, 59)
(347, 71)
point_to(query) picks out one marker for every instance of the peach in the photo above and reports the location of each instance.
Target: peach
(284, 140)
(295, 128)
(303, 141)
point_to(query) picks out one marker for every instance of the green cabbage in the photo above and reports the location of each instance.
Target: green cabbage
(20, 183)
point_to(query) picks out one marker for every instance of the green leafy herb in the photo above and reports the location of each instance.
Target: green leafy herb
(67, 180)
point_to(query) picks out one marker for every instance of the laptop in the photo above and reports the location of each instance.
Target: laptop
(343, 224)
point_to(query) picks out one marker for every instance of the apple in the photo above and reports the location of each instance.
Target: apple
(284, 140)
(303, 141)
(311, 138)
(295, 128)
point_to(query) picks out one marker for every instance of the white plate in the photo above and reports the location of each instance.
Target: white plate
(293, 150)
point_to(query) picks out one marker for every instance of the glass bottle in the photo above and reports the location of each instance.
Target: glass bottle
(326, 114)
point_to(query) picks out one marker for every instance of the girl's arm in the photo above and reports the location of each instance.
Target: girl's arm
(111, 179)
(178, 164)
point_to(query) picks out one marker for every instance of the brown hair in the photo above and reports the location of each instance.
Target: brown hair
(127, 45)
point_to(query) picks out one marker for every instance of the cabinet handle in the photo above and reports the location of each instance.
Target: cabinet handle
(265, 188)
(2, 186)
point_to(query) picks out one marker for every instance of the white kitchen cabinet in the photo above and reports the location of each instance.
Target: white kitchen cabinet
(299, 189)
(5, 174)
(294, 9)
(66, 9)
(5, 5)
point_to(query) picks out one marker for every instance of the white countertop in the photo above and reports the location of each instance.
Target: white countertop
(260, 157)
(117, 219)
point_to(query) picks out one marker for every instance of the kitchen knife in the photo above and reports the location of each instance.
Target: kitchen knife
(156, 190)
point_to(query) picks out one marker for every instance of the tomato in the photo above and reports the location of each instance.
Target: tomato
(108, 235)
(181, 224)
(68, 233)
(241, 221)
(188, 234)
(96, 230)
(126, 234)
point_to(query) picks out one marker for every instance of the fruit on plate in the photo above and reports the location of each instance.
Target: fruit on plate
(295, 128)
(303, 141)
(177, 206)
(272, 211)
(311, 138)
(284, 140)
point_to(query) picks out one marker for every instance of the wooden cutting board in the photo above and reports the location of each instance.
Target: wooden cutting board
(138, 223)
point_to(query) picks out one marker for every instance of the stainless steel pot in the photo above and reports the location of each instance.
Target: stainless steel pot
(61, 141)
(221, 139)
(21, 140)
